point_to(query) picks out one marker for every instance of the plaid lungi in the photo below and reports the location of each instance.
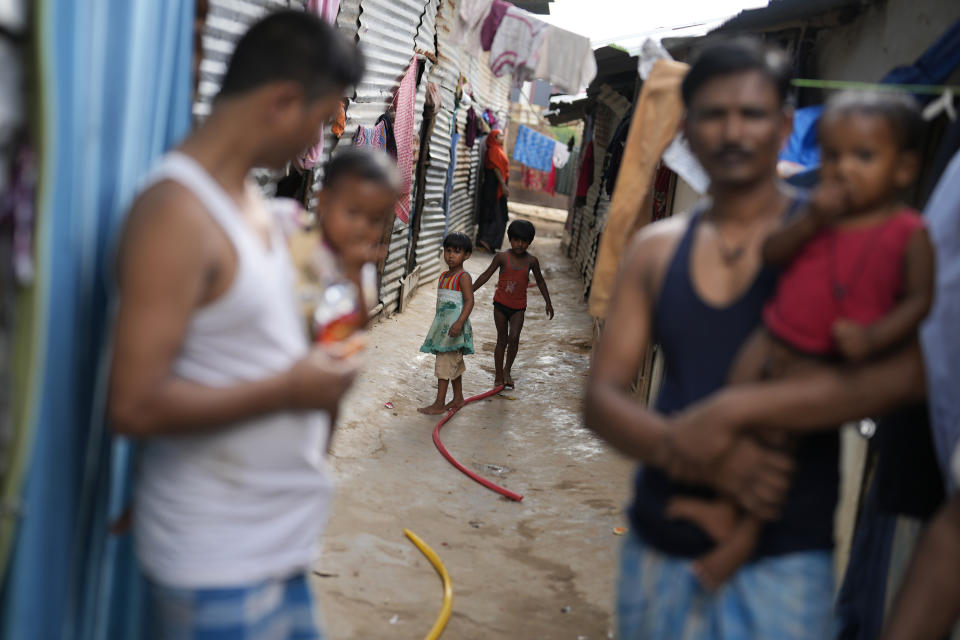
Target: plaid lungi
(271, 610)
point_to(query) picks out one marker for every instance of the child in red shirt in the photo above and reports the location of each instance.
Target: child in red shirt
(858, 279)
(510, 300)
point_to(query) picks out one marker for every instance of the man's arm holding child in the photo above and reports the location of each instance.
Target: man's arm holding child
(814, 401)
(466, 288)
(166, 267)
(757, 477)
(494, 265)
(541, 284)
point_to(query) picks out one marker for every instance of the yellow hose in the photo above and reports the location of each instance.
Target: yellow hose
(447, 607)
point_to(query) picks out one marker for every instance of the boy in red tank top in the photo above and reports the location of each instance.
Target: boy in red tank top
(510, 300)
(857, 280)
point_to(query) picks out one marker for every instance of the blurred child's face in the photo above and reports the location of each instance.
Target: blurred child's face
(353, 213)
(455, 257)
(519, 246)
(861, 154)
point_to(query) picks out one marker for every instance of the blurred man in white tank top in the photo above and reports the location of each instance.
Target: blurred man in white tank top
(212, 368)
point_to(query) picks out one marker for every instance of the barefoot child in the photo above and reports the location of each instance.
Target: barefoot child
(451, 336)
(858, 280)
(510, 300)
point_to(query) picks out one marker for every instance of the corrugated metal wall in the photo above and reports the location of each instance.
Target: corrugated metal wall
(227, 20)
(389, 32)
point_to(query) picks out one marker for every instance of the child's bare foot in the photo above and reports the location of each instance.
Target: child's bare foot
(716, 517)
(498, 382)
(456, 404)
(508, 380)
(718, 566)
(433, 410)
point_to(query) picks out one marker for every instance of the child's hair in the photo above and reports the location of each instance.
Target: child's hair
(364, 164)
(457, 240)
(521, 230)
(900, 110)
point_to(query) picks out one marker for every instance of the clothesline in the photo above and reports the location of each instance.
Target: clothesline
(931, 89)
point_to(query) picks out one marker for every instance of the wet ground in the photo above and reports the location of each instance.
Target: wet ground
(541, 568)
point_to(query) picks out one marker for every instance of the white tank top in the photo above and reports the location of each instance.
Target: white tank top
(245, 502)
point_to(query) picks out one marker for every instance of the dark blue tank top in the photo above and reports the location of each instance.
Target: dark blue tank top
(699, 343)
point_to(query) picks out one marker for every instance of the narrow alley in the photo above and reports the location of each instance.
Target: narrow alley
(541, 568)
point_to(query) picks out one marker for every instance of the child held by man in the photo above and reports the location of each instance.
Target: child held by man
(858, 281)
(510, 299)
(450, 336)
(359, 191)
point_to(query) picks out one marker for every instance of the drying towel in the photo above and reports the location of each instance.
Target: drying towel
(561, 155)
(587, 167)
(534, 149)
(492, 23)
(566, 60)
(655, 122)
(470, 129)
(403, 133)
(471, 15)
(326, 9)
(515, 46)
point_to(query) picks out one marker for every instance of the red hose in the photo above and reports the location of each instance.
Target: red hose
(516, 497)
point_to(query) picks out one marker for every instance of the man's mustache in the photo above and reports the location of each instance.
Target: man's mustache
(732, 152)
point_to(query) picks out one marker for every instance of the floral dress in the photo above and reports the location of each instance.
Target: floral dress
(449, 308)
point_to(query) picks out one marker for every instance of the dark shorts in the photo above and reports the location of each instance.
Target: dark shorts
(505, 310)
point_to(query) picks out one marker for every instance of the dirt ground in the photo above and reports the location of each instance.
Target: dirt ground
(541, 568)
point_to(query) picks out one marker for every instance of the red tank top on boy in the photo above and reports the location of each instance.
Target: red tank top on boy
(512, 284)
(856, 274)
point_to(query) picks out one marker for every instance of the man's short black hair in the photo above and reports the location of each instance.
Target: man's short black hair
(293, 45)
(521, 230)
(457, 240)
(900, 110)
(363, 164)
(737, 55)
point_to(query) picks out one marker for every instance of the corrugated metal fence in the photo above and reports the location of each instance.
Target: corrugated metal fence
(391, 33)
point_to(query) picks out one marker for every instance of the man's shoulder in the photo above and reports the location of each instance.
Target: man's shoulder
(659, 237)
(170, 206)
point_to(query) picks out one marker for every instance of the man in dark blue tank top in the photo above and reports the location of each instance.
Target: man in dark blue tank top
(696, 286)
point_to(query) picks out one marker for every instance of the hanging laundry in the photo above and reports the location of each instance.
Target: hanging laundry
(491, 119)
(561, 155)
(587, 166)
(470, 19)
(498, 9)
(20, 200)
(540, 180)
(615, 152)
(661, 192)
(566, 60)
(448, 185)
(470, 129)
(340, 121)
(534, 149)
(514, 49)
(384, 131)
(326, 9)
(403, 133)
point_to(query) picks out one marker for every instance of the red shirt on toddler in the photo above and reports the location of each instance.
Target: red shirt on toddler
(854, 274)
